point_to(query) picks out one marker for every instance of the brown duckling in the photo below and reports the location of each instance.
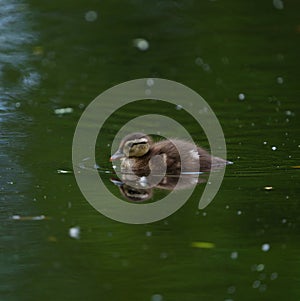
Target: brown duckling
(137, 149)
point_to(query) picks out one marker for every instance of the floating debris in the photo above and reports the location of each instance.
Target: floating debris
(74, 232)
(297, 166)
(260, 267)
(274, 148)
(141, 44)
(274, 276)
(62, 111)
(234, 255)
(279, 80)
(278, 4)
(150, 82)
(91, 16)
(156, 297)
(178, 107)
(29, 218)
(203, 245)
(289, 113)
(268, 188)
(256, 284)
(241, 96)
(62, 171)
(265, 247)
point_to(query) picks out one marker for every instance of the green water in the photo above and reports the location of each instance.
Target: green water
(52, 57)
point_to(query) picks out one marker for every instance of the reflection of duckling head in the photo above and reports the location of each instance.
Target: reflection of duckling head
(133, 194)
(136, 195)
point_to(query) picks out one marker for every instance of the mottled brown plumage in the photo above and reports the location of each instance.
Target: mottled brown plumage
(139, 154)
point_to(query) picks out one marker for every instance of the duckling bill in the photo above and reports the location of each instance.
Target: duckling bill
(137, 150)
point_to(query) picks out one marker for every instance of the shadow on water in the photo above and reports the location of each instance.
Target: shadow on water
(243, 58)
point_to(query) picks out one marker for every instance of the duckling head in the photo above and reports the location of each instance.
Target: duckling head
(133, 145)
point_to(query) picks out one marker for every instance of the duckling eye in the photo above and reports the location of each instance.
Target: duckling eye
(138, 143)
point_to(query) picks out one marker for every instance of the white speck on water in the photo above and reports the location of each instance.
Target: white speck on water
(268, 188)
(150, 82)
(287, 197)
(265, 247)
(108, 145)
(260, 267)
(227, 207)
(179, 107)
(265, 142)
(141, 44)
(279, 80)
(274, 148)
(148, 233)
(239, 212)
(17, 104)
(91, 16)
(114, 166)
(284, 220)
(62, 111)
(278, 4)
(16, 217)
(200, 62)
(234, 255)
(204, 214)
(156, 297)
(10, 182)
(74, 232)
(241, 96)
(62, 171)
(289, 113)
(256, 284)
(274, 276)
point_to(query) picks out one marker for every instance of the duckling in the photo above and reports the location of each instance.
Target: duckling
(137, 150)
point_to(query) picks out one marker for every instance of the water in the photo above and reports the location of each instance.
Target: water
(243, 58)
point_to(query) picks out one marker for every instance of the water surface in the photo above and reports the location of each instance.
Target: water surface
(243, 58)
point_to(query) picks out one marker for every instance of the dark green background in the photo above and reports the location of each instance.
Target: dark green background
(51, 57)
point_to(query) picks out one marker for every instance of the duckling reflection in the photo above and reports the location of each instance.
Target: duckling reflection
(141, 189)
